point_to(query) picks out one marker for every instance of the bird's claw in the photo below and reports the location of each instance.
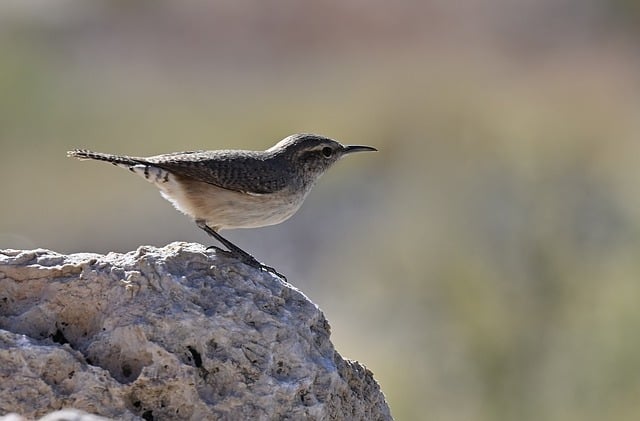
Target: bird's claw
(217, 249)
(251, 261)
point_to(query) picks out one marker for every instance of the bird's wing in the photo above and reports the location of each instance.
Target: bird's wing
(243, 171)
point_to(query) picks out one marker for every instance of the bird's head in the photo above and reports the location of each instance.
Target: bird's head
(314, 154)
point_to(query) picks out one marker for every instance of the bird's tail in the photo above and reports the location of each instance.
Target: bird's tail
(139, 166)
(114, 159)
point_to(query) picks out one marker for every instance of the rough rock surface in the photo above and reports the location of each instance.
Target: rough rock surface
(177, 332)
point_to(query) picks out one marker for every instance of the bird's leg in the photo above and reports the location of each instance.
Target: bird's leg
(232, 248)
(237, 251)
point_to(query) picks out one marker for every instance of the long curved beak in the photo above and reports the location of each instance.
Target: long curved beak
(357, 148)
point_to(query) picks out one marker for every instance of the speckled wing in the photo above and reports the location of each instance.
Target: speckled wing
(243, 171)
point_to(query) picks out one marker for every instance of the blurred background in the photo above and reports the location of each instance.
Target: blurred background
(484, 264)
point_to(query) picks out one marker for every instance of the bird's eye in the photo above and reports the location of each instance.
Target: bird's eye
(327, 152)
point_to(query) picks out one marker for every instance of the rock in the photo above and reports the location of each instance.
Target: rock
(62, 415)
(177, 332)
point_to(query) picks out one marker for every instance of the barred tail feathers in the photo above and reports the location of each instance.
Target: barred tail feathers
(139, 166)
(114, 159)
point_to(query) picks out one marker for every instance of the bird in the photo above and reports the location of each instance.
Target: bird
(230, 189)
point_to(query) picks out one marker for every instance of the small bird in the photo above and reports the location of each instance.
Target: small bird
(226, 189)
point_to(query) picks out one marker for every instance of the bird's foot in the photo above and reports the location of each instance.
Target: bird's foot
(220, 250)
(251, 261)
(248, 259)
(237, 251)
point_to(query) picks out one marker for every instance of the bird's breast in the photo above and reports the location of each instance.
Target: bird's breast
(228, 209)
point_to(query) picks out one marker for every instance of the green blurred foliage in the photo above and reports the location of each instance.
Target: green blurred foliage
(484, 264)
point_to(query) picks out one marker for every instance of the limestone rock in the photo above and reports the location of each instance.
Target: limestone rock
(177, 332)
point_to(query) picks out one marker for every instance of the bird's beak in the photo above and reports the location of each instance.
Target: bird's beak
(357, 148)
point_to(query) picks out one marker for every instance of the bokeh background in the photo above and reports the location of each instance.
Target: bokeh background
(484, 264)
